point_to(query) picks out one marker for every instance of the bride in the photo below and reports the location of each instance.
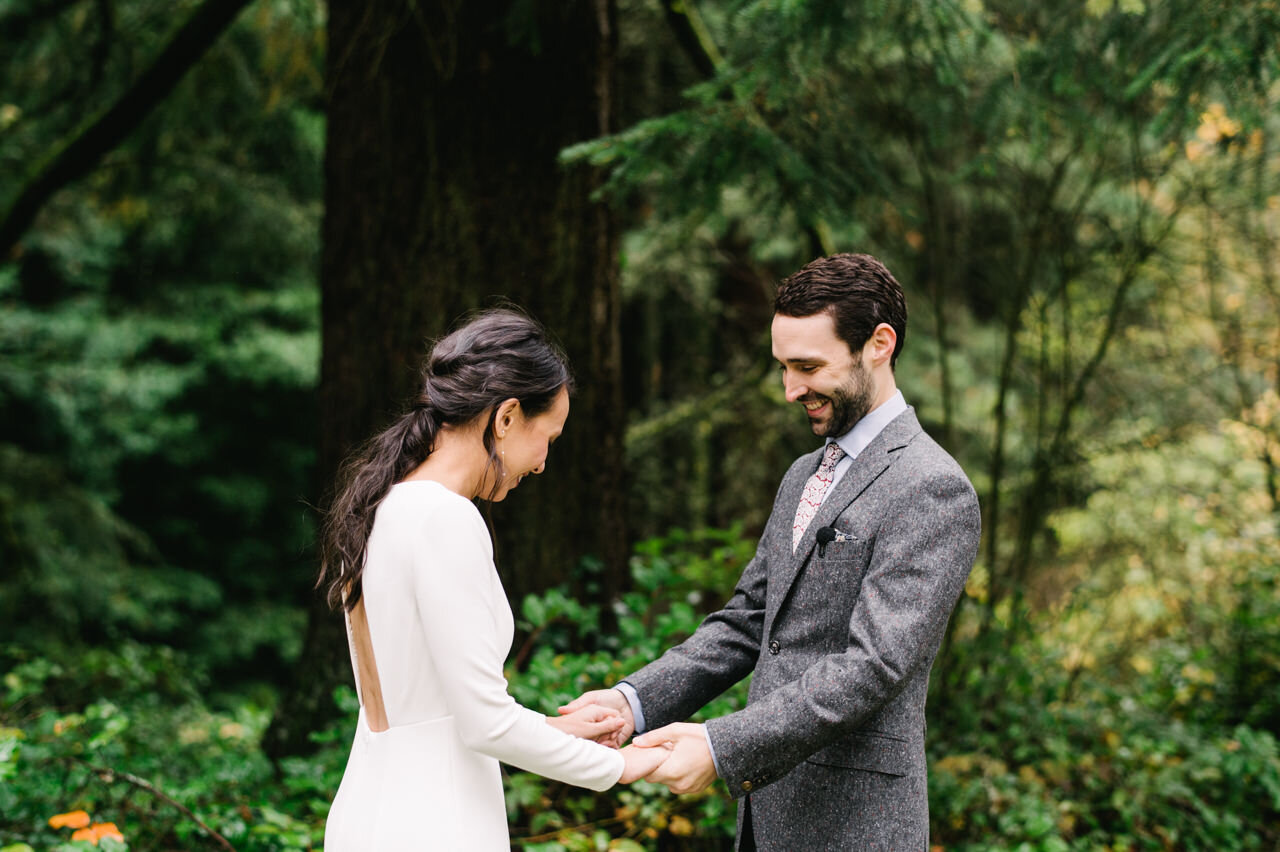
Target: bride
(409, 559)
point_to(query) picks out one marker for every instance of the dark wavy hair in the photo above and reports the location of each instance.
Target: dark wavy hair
(496, 355)
(856, 289)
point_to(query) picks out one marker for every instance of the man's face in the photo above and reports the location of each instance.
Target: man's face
(821, 374)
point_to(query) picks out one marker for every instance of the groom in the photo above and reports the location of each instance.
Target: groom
(841, 612)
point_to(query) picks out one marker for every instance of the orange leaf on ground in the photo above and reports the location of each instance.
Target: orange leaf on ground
(71, 819)
(106, 829)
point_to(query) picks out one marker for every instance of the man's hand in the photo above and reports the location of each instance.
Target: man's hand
(689, 767)
(614, 700)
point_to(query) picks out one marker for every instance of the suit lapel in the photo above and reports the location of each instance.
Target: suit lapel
(874, 460)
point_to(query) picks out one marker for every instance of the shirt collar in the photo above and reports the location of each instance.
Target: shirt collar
(865, 430)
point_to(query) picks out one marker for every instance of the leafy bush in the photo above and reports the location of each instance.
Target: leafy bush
(1026, 752)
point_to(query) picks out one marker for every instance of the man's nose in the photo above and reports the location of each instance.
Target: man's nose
(794, 387)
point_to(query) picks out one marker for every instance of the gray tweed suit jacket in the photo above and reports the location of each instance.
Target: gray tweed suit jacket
(829, 751)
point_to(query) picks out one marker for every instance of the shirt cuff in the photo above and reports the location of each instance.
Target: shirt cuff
(633, 698)
(711, 749)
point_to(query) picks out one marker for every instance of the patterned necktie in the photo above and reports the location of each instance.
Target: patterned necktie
(814, 490)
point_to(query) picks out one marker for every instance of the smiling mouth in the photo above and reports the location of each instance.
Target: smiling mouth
(812, 407)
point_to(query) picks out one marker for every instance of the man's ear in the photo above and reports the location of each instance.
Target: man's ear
(882, 342)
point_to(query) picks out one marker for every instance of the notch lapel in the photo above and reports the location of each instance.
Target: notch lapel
(874, 460)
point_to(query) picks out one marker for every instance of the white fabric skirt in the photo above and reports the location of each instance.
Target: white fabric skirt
(417, 787)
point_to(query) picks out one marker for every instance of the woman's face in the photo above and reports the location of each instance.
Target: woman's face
(523, 442)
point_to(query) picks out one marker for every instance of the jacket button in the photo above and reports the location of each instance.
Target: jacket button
(774, 647)
(746, 786)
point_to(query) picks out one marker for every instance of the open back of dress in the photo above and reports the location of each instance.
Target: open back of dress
(364, 664)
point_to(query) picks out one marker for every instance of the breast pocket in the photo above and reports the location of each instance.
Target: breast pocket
(834, 583)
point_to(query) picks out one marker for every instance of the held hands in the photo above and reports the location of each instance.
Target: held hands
(605, 716)
(641, 762)
(688, 767)
(613, 700)
(590, 722)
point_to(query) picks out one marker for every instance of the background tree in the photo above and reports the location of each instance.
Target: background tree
(443, 190)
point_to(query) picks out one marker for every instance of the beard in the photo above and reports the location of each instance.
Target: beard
(850, 402)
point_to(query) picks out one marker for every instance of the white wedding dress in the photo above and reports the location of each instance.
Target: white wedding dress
(439, 629)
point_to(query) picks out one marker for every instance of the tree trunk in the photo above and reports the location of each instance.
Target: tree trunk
(444, 194)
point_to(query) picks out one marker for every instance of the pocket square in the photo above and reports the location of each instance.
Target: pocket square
(827, 535)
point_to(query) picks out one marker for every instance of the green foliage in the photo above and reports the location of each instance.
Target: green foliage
(65, 746)
(159, 340)
(77, 570)
(1038, 752)
(1027, 170)
(1062, 761)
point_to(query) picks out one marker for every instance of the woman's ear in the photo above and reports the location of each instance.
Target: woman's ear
(506, 415)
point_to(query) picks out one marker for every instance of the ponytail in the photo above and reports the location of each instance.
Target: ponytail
(499, 355)
(365, 479)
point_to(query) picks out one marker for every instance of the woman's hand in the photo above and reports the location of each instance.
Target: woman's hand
(641, 761)
(592, 722)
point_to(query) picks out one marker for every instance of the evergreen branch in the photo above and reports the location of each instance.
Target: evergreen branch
(89, 145)
(692, 34)
(707, 406)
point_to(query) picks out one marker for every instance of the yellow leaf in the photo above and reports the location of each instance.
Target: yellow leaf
(1208, 131)
(1196, 149)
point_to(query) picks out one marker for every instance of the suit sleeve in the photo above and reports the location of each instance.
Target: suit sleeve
(721, 652)
(916, 573)
(455, 586)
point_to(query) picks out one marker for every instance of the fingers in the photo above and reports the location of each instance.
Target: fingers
(618, 738)
(640, 762)
(596, 712)
(609, 740)
(605, 727)
(595, 721)
(688, 768)
(583, 700)
(607, 697)
(669, 734)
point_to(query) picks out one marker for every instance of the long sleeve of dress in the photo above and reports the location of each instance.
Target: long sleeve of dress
(467, 627)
